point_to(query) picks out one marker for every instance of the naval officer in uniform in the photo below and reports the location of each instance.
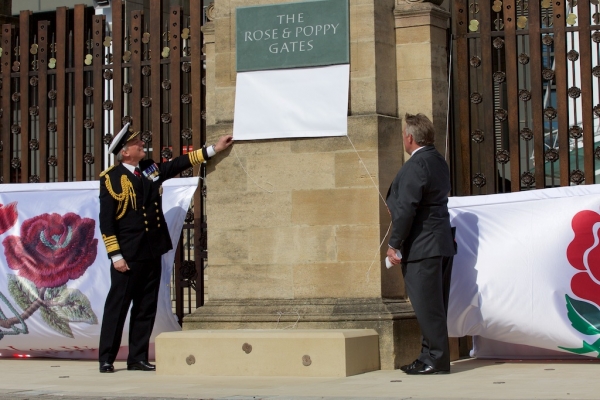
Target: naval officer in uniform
(135, 234)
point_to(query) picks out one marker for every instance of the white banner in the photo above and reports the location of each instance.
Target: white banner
(292, 103)
(527, 270)
(55, 273)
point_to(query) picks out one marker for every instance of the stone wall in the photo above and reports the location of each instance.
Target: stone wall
(313, 229)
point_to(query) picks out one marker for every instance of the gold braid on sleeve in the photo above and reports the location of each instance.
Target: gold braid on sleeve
(126, 196)
(196, 157)
(111, 243)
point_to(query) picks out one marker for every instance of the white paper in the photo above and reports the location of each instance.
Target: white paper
(292, 103)
(388, 263)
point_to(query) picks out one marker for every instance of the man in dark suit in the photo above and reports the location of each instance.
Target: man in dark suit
(421, 240)
(136, 236)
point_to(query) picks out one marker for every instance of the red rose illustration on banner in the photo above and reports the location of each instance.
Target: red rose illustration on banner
(8, 216)
(51, 250)
(583, 253)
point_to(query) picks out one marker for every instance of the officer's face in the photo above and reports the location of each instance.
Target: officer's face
(135, 149)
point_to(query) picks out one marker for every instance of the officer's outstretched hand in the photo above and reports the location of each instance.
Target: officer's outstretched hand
(224, 142)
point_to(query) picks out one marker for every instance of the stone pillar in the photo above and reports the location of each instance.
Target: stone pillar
(422, 65)
(295, 225)
(421, 51)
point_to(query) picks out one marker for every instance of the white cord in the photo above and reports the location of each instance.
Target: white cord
(382, 199)
(252, 179)
(280, 314)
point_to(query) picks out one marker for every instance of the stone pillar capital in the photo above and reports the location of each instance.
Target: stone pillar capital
(208, 29)
(420, 12)
(210, 11)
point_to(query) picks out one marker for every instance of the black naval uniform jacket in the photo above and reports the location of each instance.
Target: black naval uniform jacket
(131, 218)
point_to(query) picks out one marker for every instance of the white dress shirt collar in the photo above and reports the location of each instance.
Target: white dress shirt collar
(130, 167)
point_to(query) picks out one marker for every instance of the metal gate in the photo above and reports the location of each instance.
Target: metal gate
(70, 81)
(526, 94)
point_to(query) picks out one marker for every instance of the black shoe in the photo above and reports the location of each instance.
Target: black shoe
(425, 369)
(106, 367)
(141, 366)
(413, 365)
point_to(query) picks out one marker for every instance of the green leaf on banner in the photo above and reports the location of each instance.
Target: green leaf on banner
(56, 322)
(584, 317)
(22, 290)
(53, 293)
(587, 348)
(74, 306)
(589, 311)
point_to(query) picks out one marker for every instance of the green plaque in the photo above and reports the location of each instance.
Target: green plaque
(307, 34)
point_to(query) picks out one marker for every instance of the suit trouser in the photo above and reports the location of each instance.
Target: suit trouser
(137, 287)
(425, 288)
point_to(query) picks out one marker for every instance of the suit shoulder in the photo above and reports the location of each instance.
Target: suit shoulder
(428, 154)
(431, 151)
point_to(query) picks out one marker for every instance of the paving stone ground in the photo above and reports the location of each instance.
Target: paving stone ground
(46, 379)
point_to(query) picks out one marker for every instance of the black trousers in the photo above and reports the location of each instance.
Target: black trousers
(428, 293)
(137, 288)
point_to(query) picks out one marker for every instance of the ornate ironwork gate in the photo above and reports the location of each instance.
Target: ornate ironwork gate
(526, 94)
(69, 82)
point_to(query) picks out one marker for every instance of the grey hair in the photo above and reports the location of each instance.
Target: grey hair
(420, 128)
(120, 153)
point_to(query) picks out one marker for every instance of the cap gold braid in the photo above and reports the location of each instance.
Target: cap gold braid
(133, 134)
(127, 195)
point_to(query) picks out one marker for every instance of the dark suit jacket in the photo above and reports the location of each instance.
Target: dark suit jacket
(131, 218)
(418, 202)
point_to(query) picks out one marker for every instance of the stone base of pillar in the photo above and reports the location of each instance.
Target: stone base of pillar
(394, 320)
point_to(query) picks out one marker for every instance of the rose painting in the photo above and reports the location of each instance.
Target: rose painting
(8, 216)
(583, 253)
(50, 251)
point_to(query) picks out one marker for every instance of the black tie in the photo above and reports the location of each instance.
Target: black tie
(137, 172)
